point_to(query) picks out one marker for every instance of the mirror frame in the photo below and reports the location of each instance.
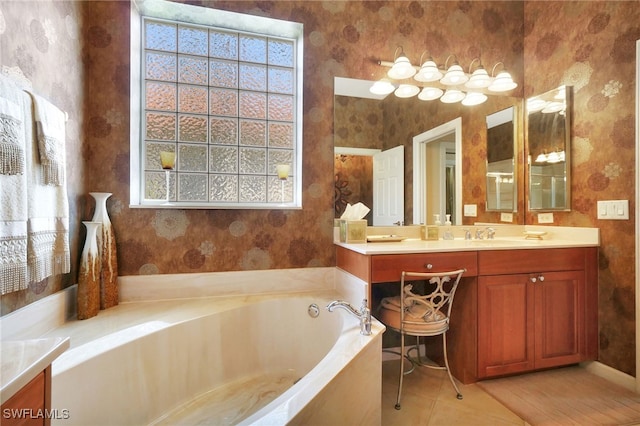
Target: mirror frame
(419, 170)
(568, 111)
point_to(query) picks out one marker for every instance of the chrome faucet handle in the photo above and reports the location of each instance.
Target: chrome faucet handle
(490, 233)
(467, 234)
(479, 234)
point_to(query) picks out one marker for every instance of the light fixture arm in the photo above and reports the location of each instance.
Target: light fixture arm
(473, 62)
(493, 70)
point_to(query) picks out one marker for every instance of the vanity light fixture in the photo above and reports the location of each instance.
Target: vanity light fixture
(454, 75)
(474, 98)
(430, 93)
(479, 79)
(406, 91)
(382, 87)
(503, 81)
(428, 71)
(402, 67)
(449, 83)
(452, 96)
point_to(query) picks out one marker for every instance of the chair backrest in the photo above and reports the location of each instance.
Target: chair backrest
(437, 299)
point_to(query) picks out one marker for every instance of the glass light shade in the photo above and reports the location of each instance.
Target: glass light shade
(553, 157)
(452, 96)
(430, 93)
(406, 91)
(542, 158)
(479, 79)
(382, 87)
(534, 105)
(454, 76)
(428, 72)
(552, 107)
(502, 82)
(474, 98)
(401, 68)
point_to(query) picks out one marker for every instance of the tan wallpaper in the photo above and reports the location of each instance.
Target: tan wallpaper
(78, 55)
(41, 46)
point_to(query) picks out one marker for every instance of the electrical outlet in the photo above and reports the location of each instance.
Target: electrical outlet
(506, 217)
(471, 210)
(545, 217)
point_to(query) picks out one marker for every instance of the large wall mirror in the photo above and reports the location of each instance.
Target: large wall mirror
(365, 123)
(549, 149)
(502, 148)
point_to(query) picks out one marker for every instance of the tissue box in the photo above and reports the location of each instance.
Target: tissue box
(353, 231)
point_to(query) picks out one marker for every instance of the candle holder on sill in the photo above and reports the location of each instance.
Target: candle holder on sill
(283, 175)
(168, 160)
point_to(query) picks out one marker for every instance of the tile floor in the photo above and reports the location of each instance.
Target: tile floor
(428, 399)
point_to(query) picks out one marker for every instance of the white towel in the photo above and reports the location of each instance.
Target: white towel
(48, 250)
(50, 130)
(14, 105)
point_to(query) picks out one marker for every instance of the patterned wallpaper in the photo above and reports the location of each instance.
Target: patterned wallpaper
(41, 47)
(77, 54)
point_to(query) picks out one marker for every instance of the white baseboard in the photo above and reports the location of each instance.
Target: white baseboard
(615, 376)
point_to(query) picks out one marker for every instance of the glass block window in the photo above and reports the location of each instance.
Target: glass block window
(220, 117)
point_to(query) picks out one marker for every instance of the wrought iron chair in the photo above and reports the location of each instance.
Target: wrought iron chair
(421, 314)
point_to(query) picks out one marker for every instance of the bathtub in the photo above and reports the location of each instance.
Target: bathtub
(220, 360)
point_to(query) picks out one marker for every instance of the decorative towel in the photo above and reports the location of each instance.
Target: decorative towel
(14, 107)
(50, 131)
(48, 250)
(11, 137)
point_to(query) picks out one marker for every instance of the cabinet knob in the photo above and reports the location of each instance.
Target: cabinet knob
(541, 277)
(428, 266)
(533, 279)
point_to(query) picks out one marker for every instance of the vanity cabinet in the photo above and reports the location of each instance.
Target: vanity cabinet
(28, 405)
(516, 310)
(535, 309)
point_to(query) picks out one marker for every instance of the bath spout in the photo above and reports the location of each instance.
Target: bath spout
(364, 314)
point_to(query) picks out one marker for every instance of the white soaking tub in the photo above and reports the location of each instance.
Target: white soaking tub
(220, 360)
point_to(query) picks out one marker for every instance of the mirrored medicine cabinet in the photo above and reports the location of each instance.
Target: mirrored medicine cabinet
(549, 150)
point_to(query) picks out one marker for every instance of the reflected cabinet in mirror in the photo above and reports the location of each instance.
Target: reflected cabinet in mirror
(501, 153)
(549, 149)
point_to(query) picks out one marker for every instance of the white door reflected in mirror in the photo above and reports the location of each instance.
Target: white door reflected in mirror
(388, 187)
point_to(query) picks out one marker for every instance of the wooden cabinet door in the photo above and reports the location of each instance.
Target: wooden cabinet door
(559, 318)
(505, 325)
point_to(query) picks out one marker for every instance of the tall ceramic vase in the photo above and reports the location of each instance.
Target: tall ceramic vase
(107, 249)
(89, 277)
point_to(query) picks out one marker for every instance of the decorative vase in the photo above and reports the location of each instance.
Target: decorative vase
(108, 254)
(89, 277)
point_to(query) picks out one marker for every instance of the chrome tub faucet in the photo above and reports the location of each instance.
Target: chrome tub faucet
(364, 314)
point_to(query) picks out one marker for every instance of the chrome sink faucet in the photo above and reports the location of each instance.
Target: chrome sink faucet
(490, 233)
(364, 314)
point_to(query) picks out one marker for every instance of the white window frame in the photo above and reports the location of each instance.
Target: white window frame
(166, 10)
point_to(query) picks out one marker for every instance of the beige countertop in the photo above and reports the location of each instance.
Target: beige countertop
(22, 360)
(507, 237)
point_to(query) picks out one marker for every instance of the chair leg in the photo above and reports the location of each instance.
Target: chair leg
(446, 363)
(402, 356)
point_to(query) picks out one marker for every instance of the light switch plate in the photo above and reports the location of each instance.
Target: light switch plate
(471, 210)
(506, 217)
(545, 217)
(613, 210)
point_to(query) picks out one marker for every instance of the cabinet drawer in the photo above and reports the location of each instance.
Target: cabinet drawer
(389, 267)
(501, 262)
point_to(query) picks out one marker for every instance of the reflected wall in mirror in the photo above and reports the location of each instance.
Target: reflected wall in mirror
(549, 149)
(501, 150)
(362, 121)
